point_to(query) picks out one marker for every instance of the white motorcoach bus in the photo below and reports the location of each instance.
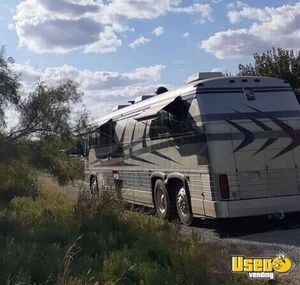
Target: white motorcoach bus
(218, 147)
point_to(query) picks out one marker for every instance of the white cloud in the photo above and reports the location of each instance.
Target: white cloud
(29, 74)
(217, 1)
(139, 42)
(69, 8)
(158, 31)
(108, 42)
(186, 34)
(57, 26)
(280, 27)
(222, 69)
(62, 26)
(60, 36)
(260, 15)
(89, 80)
(204, 10)
(236, 5)
(102, 89)
(233, 44)
(120, 10)
(11, 117)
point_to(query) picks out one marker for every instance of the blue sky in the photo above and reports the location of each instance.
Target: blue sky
(119, 49)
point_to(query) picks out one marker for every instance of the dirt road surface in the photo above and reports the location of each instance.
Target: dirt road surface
(256, 237)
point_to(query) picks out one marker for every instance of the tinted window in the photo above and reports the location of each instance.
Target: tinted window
(106, 142)
(159, 126)
(93, 139)
(167, 124)
(103, 136)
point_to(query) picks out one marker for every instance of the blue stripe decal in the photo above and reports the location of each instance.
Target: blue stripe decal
(295, 136)
(241, 89)
(264, 127)
(248, 136)
(219, 91)
(255, 115)
(266, 144)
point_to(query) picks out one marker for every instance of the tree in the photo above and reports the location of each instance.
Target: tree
(9, 86)
(47, 110)
(280, 63)
(46, 124)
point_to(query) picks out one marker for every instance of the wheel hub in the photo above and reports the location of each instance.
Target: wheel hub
(94, 187)
(162, 202)
(182, 201)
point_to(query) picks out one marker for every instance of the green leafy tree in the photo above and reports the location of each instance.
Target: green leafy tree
(46, 124)
(280, 63)
(9, 86)
(48, 110)
(45, 111)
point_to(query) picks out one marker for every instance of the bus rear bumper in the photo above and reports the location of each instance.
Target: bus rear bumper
(252, 207)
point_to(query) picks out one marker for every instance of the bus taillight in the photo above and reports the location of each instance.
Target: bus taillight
(224, 186)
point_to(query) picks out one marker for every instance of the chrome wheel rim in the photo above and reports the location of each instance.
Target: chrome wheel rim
(161, 201)
(94, 187)
(182, 202)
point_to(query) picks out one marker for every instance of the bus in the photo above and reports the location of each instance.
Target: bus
(218, 147)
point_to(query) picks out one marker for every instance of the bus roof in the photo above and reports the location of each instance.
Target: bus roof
(233, 81)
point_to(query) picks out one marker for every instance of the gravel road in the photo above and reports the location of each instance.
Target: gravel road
(256, 238)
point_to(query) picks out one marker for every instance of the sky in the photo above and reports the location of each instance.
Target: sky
(120, 49)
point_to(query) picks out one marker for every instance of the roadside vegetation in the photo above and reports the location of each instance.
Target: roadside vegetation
(48, 237)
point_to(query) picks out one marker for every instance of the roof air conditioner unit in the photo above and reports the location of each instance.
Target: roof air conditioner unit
(118, 107)
(142, 98)
(203, 75)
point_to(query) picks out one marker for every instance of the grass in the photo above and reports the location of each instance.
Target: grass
(49, 238)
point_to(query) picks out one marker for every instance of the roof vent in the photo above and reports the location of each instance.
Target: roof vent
(142, 98)
(118, 107)
(203, 75)
(161, 90)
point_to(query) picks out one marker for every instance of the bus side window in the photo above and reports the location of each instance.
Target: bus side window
(176, 125)
(180, 125)
(167, 124)
(106, 135)
(159, 126)
(93, 139)
(90, 140)
(86, 146)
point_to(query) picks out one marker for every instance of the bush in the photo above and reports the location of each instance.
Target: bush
(17, 179)
(68, 169)
(50, 206)
(49, 156)
(52, 239)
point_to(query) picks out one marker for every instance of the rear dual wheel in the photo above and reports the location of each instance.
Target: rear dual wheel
(166, 205)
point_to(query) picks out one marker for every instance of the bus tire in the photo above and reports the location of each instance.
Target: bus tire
(183, 206)
(94, 189)
(162, 200)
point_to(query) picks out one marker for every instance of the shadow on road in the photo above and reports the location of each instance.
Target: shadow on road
(258, 229)
(274, 230)
(263, 229)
